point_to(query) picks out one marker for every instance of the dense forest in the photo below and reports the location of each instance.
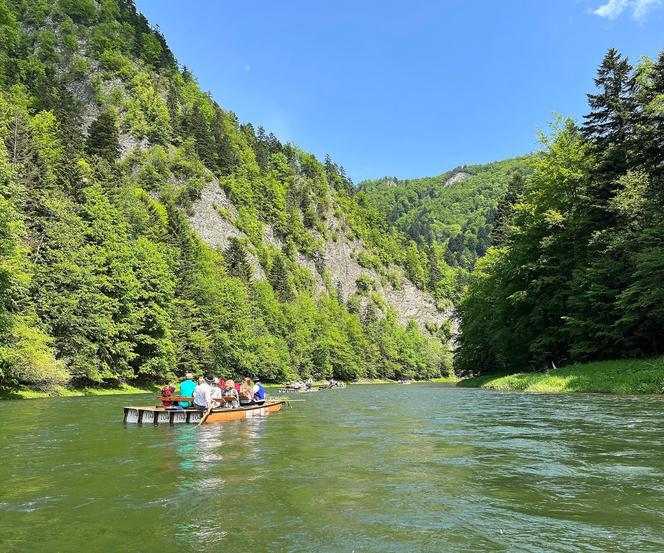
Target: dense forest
(577, 268)
(448, 220)
(105, 145)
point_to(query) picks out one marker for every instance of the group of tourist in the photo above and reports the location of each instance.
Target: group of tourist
(211, 392)
(299, 385)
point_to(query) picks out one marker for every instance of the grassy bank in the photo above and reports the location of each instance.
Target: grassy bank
(628, 376)
(62, 391)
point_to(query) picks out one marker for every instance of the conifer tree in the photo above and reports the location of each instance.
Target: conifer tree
(225, 156)
(103, 137)
(610, 124)
(650, 137)
(237, 260)
(280, 279)
(505, 210)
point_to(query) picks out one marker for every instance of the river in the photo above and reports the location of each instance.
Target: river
(382, 468)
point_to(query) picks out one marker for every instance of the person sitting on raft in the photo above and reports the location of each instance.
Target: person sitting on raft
(246, 391)
(203, 394)
(187, 387)
(217, 393)
(259, 391)
(167, 391)
(232, 395)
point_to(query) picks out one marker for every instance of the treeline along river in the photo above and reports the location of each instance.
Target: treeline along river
(368, 468)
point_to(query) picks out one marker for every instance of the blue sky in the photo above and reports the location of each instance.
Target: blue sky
(404, 88)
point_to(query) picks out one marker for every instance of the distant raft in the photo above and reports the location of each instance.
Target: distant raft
(291, 390)
(161, 415)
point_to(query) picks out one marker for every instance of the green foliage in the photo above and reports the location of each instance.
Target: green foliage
(630, 376)
(439, 223)
(237, 260)
(578, 273)
(103, 279)
(103, 137)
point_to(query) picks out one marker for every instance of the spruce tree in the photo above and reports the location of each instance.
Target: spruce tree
(237, 260)
(225, 157)
(610, 124)
(195, 124)
(505, 210)
(650, 137)
(280, 279)
(103, 138)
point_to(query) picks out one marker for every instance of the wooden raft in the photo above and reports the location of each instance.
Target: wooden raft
(161, 415)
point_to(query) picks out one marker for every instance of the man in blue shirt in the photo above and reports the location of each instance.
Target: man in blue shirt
(259, 391)
(187, 389)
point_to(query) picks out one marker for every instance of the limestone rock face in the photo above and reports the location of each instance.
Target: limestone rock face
(212, 218)
(214, 228)
(455, 178)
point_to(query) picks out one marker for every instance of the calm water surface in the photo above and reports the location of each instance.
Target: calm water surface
(368, 468)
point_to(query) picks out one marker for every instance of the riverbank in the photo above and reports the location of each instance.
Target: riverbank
(627, 376)
(61, 391)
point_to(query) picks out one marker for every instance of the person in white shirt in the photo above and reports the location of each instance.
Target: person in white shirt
(216, 393)
(203, 394)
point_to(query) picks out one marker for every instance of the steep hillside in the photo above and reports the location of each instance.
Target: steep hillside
(450, 218)
(144, 231)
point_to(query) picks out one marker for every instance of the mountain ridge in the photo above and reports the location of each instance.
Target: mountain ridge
(156, 234)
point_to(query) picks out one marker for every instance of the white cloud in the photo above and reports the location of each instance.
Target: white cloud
(612, 9)
(637, 9)
(642, 6)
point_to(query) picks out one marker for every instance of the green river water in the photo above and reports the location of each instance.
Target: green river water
(369, 468)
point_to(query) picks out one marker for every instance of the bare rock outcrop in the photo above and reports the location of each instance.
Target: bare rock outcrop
(216, 230)
(212, 218)
(455, 178)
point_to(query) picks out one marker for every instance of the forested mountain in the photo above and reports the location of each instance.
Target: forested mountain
(144, 231)
(577, 272)
(448, 219)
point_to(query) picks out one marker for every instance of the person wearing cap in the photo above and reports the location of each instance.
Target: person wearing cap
(259, 391)
(231, 394)
(187, 387)
(203, 394)
(216, 392)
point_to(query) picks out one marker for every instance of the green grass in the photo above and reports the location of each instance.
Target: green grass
(453, 379)
(62, 391)
(628, 376)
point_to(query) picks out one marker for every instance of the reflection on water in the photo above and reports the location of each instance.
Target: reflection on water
(368, 468)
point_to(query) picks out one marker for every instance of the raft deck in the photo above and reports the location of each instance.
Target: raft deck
(161, 415)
